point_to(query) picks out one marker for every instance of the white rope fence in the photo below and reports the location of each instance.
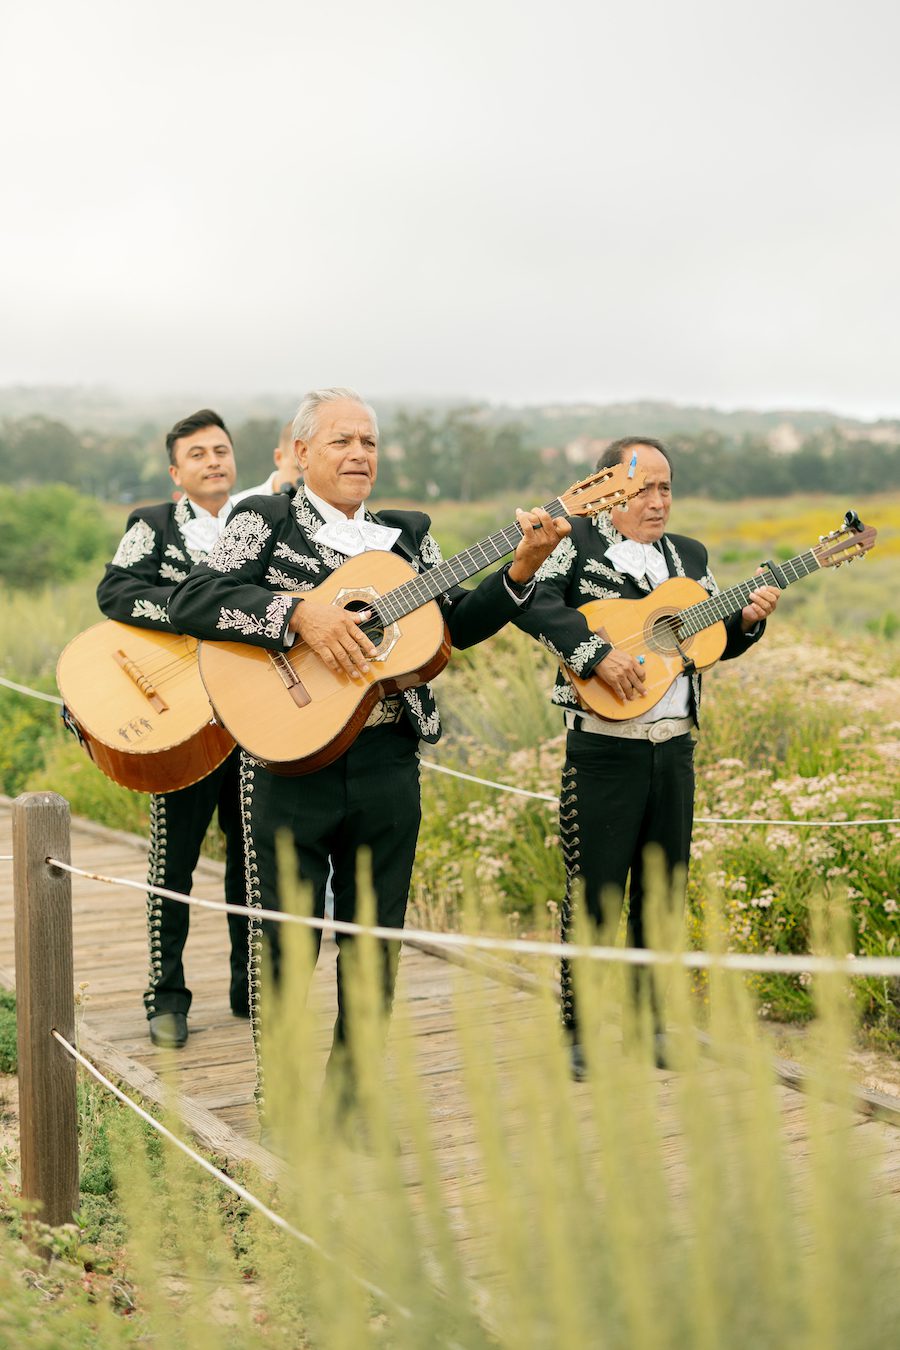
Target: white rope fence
(32, 693)
(698, 820)
(877, 966)
(546, 796)
(229, 1182)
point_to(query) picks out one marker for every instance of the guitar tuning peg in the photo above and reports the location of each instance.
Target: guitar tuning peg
(623, 506)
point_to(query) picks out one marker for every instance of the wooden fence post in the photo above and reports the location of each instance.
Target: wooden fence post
(45, 1000)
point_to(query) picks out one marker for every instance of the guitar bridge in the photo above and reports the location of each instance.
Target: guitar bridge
(290, 679)
(146, 686)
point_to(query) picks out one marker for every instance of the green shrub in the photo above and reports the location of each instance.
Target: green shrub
(8, 1051)
(50, 533)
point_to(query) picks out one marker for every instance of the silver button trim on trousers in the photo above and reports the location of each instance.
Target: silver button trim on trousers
(660, 731)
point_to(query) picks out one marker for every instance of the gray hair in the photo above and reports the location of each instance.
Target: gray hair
(304, 427)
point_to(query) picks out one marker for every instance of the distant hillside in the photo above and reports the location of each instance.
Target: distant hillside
(111, 410)
(560, 423)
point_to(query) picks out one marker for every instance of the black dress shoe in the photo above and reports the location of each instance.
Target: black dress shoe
(169, 1029)
(661, 1057)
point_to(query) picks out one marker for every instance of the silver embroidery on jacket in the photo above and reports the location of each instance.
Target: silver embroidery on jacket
(270, 625)
(551, 647)
(241, 541)
(430, 551)
(135, 544)
(280, 581)
(560, 562)
(169, 573)
(148, 609)
(173, 552)
(606, 528)
(584, 653)
(183, 515)
(599, 592)
(675, 555)
(430, 725)
(298, 559)
(602, 569)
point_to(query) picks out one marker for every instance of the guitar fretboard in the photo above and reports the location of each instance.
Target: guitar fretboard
(429, 585)
(721, 606)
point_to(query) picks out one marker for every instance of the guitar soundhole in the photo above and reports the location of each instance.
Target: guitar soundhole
(662, 632)
(373, 628)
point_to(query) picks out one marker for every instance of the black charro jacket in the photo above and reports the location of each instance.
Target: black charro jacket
(152, 557)
(578, 571)
(267, 546)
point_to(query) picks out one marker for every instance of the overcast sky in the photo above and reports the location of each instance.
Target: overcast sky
(501, 199)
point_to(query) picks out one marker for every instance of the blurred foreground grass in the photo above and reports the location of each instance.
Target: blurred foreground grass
(639, 1211)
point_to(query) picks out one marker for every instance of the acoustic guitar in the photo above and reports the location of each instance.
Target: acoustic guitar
(679, 628)
(288, 710)
(135, 700)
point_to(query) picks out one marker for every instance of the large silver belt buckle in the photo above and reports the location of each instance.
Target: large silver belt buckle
(663, 730)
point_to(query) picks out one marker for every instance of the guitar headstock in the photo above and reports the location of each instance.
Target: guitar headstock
(849, 541)
(602, 490)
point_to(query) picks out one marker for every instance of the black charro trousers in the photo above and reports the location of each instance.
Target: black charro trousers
(367, 799)
(178, 825)
(618, 796)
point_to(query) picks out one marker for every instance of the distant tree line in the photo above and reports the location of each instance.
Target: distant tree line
(461, 454)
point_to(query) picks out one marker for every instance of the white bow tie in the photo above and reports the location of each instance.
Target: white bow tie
(201, 533)
(639, 560)
(356, 536)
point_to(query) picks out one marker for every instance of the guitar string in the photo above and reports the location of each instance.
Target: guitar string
(172, 667)
(162, 672)
(641, 637)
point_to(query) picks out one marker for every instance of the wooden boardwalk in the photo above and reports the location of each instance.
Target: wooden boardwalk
(215, 1071)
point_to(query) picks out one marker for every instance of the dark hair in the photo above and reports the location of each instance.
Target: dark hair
(615, 452)
(197, 421)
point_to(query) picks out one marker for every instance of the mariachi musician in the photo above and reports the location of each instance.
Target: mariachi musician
(158, 549)
(367, 798)
(626, 783)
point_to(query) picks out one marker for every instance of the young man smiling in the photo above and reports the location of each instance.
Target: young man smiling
(159, 546)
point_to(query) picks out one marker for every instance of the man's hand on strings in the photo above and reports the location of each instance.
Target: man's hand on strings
(335, 636)
(540, 535)
(622, 673)
(762, 604)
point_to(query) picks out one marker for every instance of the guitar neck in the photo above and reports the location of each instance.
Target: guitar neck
(429, 585)
(732, 601)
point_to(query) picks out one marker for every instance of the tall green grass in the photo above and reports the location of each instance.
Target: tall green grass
(639, 1210)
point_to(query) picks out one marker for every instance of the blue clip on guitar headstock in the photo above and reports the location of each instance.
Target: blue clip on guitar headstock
(633, 465)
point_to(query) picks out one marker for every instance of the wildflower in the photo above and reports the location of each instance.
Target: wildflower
(891, 906)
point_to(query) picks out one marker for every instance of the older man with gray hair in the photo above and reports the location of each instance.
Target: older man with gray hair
(368, 798)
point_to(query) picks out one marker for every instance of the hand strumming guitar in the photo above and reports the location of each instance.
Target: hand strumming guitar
(622, 673)
(334, 635)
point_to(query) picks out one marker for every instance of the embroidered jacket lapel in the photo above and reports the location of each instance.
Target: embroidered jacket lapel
(182, 514)
(309, 522)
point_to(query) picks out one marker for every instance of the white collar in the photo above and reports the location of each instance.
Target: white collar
(330, 514)
(201, 513)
